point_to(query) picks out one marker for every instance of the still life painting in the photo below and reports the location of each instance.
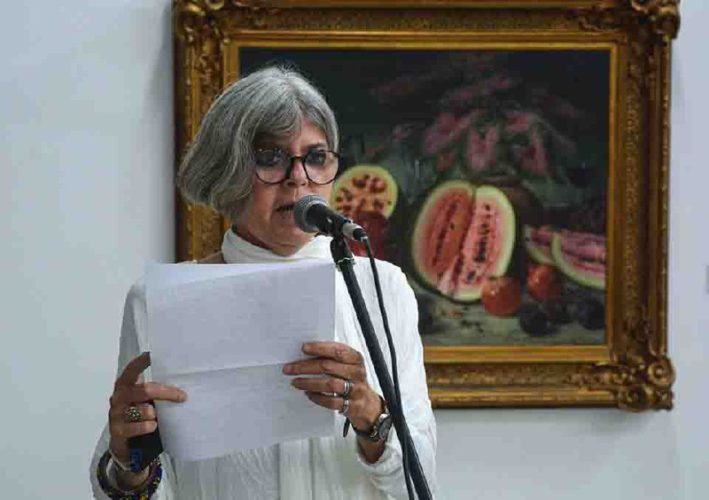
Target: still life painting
(511, 157)
(483, 175)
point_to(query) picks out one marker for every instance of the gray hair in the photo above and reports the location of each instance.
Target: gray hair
(269, 103)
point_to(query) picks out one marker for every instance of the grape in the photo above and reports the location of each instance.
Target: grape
(558, 312)
(534, 321)
(590, 314)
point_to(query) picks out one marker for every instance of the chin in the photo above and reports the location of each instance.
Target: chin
(295, 237)
(300, 238)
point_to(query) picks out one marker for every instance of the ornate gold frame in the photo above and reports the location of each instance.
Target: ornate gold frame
(632, 371)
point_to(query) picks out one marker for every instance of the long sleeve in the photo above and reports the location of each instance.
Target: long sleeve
(133, 341)
(402, 310)
(326, 467)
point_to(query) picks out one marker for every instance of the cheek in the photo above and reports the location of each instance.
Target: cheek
(262, 202)
(325, 191)
(254, 212)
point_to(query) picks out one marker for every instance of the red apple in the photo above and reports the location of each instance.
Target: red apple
(544, 284)
(501, 296)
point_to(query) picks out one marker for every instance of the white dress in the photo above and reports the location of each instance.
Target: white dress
(319, 468)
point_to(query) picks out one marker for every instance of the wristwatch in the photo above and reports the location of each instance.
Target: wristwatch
(380, 429)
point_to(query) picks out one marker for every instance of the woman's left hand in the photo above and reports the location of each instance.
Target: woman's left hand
(335, 363)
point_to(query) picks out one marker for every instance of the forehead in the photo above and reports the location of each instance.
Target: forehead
(305, 134)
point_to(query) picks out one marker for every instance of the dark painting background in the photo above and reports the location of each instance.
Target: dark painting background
(540, 122)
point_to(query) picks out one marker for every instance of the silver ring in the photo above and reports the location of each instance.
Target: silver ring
(132, 414)
(345, 406)
(348, 389)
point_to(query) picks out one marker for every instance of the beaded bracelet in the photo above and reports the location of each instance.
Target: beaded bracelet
(143, 492)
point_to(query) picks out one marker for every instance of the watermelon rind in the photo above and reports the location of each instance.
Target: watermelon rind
(506, 216)
(534, 250)
(431, 200)
(507, 213)
(392, 192)
(570, 271)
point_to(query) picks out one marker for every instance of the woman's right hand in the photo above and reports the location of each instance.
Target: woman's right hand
(129, 391)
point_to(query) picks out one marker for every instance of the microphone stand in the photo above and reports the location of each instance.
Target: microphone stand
(344, 261)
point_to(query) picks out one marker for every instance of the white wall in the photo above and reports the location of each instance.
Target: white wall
(86, 131)
(86, 158)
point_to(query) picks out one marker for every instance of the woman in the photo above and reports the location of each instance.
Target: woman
(267, 141)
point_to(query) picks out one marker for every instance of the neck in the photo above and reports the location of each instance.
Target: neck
(245, 234)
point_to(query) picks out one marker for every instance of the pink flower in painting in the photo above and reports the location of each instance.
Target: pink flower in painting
(533, 158)
(445, 130)
(482, 148)
(519, 121)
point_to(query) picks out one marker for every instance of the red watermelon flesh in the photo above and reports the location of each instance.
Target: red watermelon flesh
(537, 241)
(581, 257)
(463, 235)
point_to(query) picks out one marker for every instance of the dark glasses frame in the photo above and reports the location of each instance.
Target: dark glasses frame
(303, 160)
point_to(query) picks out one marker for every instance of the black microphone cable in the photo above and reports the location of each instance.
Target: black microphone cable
(394, 368)
(347, 229)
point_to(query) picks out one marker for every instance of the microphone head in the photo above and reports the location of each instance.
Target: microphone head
(300, 211)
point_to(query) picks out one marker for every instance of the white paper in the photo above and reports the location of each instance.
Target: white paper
(222, 333)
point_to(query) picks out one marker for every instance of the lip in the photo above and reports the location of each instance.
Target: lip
(286, 207)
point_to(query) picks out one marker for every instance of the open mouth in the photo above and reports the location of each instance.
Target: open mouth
(286, 208)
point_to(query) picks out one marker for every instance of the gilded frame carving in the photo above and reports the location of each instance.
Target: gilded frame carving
(632, 370)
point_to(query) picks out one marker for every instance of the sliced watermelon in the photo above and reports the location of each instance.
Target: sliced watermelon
(581, 257)
(537, 241)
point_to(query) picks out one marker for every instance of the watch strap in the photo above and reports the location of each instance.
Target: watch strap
(383, 423)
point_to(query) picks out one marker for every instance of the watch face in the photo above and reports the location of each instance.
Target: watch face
(385, 426)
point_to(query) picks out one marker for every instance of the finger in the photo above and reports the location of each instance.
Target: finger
(133, 369)
(152, 391)
(147, 412)
(334, 350)
(127, 430)
(320, 384)
(325, 401)
(323, 366)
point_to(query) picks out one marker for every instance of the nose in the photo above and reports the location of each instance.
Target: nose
(296, 176)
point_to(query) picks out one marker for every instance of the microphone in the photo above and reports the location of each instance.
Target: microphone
(312, 214)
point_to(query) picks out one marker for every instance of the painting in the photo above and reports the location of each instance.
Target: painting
(527, 130)
(498, 154)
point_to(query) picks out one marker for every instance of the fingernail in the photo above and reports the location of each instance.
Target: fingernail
(287, 369)
(183, 396)
(307, 346)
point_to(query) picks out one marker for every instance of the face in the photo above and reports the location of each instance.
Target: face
(267, 219)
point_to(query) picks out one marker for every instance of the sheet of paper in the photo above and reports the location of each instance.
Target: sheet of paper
(222, 333)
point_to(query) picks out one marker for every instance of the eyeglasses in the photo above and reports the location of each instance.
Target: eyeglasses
(273, 166)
